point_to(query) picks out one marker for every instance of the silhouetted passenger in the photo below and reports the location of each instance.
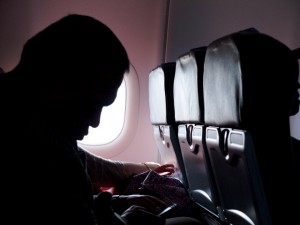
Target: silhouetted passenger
(66, 74)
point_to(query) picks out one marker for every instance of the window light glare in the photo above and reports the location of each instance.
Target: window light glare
(111, 121)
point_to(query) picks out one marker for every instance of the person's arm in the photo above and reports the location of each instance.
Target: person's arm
(136, 168)
(104, 172)
(108, 173)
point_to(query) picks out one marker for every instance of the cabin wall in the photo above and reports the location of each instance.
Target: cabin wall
(196, 23)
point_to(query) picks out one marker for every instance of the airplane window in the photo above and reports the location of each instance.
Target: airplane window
(118, 122)
(111, 122)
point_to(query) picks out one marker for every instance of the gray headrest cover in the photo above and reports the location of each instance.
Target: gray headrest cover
(186, 101)
(157, 97)
(222, 83)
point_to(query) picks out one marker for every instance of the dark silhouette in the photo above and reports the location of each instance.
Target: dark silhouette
(66, 74)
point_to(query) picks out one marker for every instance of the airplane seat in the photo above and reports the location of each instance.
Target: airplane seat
(294, 110)
(161, 105)
(248, 80)
(189, 115)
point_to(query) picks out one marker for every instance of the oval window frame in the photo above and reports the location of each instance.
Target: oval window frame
(121, 142)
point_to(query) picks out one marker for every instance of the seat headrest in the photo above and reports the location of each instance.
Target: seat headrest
(248, 76)
(161, 103)
(188, 86)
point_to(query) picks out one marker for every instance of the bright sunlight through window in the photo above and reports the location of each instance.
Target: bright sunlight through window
(111, 121)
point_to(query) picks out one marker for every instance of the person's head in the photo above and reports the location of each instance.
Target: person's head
(72, 69)
(296, 102)
(270, 72)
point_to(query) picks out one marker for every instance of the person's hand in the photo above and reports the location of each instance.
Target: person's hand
(151, 165)
(148, 202)
(137, 215)
(166, 169)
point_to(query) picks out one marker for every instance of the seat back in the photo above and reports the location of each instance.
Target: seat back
(189, 115)
(248, 81)
(161, 105)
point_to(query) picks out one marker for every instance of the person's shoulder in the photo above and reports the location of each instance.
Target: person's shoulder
(296, 150)
(295, 143)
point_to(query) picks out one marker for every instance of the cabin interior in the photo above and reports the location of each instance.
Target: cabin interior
(164, 40)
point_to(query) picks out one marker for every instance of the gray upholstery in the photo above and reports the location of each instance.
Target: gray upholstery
(248, 80)
(189, 112)
(161, 105)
